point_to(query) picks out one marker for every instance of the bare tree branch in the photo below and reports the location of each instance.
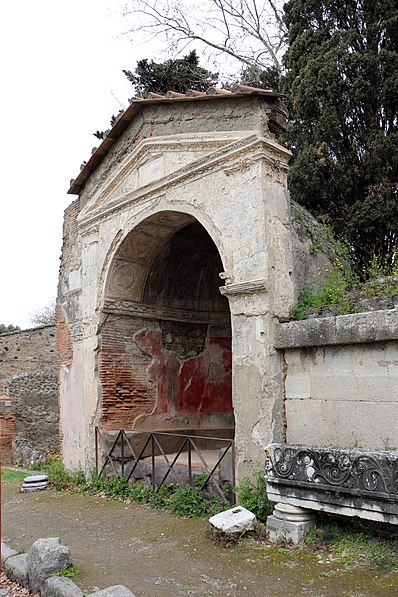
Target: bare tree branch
(251, 32)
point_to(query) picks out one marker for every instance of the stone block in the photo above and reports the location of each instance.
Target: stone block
(289, 523)
(286, 530)
(234, 520)
(6, 552)
(60, 586)
(342, 423)
(16, 568)
(298, 385)
(115, 591)
(45, 557)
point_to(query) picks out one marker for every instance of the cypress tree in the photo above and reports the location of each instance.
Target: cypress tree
(342, 82)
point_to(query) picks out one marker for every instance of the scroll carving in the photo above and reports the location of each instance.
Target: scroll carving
(361, 472)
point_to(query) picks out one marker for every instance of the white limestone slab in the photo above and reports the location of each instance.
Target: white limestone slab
(36, 479)
(234, 520)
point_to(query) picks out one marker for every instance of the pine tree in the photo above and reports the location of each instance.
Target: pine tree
(342, 81)
(179, 74)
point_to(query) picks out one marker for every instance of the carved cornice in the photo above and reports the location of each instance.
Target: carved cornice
(274, 154)
(135, 309)
(244, 287)
(335, 472)
(159, 145)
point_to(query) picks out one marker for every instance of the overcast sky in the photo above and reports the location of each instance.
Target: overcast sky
(61, 81)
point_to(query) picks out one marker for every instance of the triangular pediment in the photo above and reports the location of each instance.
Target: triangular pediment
(152, 161)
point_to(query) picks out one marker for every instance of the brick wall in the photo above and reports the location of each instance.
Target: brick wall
(63, 342)
(123, 372)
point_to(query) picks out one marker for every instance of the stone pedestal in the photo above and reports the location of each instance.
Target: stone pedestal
(289, 522)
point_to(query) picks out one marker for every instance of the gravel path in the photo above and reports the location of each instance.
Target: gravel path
(156, 555)
(12, 589)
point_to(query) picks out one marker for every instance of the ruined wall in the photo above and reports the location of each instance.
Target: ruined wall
(165, 375)
(28, 377)
(7, 427)
(313, 249)
(341, 380)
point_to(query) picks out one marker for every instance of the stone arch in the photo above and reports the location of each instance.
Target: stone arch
(165, 358)
(134, 249)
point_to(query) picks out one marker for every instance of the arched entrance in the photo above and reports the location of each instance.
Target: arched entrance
(165, 341)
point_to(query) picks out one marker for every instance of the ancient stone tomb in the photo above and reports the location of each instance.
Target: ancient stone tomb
(176, 258)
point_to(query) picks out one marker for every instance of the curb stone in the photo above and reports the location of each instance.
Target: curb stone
(6, 552)
(16, 568)
(45, 557)
(60, 586)
(115, 591)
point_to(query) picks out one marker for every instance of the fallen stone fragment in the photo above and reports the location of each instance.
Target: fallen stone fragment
(115, 591)
(6, 552)
(45, 557)
(234, 520)
(35, 483)
(60, 586)
(16, 568)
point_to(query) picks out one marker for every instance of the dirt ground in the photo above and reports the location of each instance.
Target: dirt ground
(157, 555)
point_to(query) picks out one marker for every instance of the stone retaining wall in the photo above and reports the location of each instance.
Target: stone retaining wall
(341, 379)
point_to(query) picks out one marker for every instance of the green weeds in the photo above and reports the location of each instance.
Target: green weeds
(68, 572)
(252, 494)
(183, 501)
(342, 289)
(58, 477)
(354, 544)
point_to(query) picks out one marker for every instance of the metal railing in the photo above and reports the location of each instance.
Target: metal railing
(125, 459)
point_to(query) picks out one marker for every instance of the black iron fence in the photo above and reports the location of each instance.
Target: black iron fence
(145, 456)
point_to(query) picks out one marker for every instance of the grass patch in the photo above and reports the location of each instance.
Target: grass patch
(8, 475)
(68, 572)
(354, 544)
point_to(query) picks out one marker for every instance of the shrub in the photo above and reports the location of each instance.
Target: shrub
(58, 477)
(188, 501)
(253, 495)
(342, 287)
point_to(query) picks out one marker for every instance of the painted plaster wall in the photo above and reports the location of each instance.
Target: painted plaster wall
(341, 388)
(146, 382)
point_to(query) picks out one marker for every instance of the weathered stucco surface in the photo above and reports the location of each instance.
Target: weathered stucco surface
(218, 166)
(179, 258)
